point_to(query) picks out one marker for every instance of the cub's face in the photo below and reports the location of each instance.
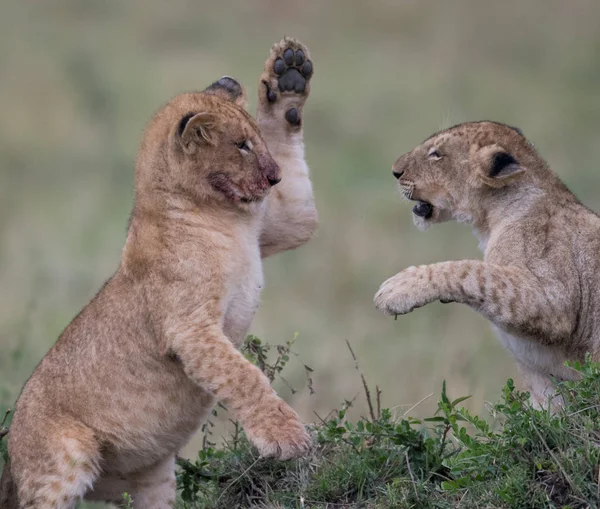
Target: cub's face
(450, 173)
(203, 146)
(222, 154)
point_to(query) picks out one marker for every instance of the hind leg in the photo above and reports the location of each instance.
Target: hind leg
(542, 391)
(150, 488)
(155, 488)
(54, 468)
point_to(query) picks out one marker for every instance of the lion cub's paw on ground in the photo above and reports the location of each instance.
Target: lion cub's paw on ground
(404, 292)
(285, 81)
(277, 432)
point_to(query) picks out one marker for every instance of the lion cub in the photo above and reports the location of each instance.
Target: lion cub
(135, 373)
(539, 278)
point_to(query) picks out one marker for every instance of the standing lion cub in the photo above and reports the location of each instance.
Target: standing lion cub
(135, 373)
(538, 283)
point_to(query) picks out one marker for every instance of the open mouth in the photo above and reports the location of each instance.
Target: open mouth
(423, 209)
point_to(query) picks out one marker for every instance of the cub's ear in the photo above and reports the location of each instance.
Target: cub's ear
(497, 167)
(230, 89)
(196, 129)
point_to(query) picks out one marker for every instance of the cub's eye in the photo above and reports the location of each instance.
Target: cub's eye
(434, 154)
(244, 146)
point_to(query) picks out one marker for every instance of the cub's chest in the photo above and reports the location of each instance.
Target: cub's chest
(243, 294)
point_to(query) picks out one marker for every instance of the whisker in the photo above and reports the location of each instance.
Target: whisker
(402, 192)
(407, 189)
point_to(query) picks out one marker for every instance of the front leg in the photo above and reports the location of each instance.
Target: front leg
(290, 215)
(211, 361)
(512, 298)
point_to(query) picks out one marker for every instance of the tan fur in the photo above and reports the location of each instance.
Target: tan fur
(539, 278)
(135, 373)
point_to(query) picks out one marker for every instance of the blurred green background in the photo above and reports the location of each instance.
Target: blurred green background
(79, 79)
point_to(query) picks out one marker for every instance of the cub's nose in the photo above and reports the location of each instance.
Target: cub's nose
(269, 169)
(397, 174)
(273, 179)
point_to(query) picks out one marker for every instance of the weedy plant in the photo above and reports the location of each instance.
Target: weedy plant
(3, 432)
(516, 457)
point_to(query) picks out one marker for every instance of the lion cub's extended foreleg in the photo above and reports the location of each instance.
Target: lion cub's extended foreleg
(290, 215)
(532, 318)
(210, 359)
(510, 297)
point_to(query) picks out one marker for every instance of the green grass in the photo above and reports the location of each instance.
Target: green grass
(514, 457)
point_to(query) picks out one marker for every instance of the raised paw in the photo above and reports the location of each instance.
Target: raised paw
(284, 84)
(404, 292)
(277, 432)
(293, 70)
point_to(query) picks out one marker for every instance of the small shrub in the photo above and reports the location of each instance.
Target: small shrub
(517, 458)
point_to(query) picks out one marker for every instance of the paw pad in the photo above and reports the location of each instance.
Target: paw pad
(292, 116)
(287, 74)
(293, 70)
